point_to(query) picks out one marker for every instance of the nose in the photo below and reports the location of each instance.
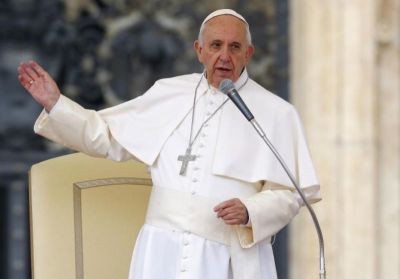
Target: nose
(224, 55)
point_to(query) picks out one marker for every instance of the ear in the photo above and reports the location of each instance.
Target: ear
(198, 48)
(249, 53)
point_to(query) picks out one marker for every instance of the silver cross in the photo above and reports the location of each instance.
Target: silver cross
(185, 160)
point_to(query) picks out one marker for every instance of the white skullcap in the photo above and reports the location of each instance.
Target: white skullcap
(224, 12)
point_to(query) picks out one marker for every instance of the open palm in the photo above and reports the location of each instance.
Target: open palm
(39, 84)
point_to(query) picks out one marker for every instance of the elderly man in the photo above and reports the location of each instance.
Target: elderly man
(219, 195)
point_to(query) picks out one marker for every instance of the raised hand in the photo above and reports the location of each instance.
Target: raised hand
(39, 84)
(232, 212)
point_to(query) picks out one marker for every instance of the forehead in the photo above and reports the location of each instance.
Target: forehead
(225, 27)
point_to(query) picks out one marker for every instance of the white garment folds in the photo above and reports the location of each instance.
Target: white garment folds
(146, 128)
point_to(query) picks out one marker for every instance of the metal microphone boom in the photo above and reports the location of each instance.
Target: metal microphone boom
(226, 86)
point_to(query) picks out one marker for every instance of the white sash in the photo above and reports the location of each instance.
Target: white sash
(171, 209)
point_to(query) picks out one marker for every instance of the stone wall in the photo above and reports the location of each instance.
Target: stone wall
(146, 40)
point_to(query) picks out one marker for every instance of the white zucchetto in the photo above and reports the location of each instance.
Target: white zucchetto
(223, 12)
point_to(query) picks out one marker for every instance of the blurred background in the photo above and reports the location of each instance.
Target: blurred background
(337, 61)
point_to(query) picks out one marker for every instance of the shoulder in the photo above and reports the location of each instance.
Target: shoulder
(266, 100)
(184, 80)
(172, 87)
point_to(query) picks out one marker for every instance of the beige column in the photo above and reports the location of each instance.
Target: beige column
(388, 102)
(345, 83)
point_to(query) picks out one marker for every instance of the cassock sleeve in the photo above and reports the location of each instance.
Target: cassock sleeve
(276, 204)
(79, 129)
(270, 210)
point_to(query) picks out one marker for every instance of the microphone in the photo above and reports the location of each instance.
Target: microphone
(227, 87)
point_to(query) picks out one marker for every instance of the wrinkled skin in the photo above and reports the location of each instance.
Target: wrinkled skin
(39, 84)
(224, 50)
(224, 54)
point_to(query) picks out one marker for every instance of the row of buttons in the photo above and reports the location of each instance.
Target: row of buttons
(197, 166)
(210, 109)
(185, 251)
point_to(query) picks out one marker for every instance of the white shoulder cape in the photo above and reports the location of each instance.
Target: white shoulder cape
(143, 125)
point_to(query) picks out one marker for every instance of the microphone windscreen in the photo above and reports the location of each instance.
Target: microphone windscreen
(226, 85)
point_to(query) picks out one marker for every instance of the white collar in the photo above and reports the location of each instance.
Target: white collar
(244, 76)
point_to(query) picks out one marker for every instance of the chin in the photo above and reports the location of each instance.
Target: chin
(224, 76)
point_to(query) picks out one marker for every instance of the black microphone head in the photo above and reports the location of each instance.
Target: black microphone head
(226, 85)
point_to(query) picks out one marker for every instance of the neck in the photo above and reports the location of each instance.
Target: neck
(239, 82)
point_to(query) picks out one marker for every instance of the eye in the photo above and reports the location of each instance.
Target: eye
(236, 47)
(215, 45)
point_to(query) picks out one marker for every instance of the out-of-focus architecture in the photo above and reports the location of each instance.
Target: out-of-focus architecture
(103, 52)
(345, 81)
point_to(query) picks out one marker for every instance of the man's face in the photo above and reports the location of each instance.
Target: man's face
(225, 50)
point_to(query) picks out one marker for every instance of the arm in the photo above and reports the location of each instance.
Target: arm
(39, 84)
(267, 212)
(272, 209)
(66, 122)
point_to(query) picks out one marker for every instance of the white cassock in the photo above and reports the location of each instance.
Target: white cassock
(182, 237)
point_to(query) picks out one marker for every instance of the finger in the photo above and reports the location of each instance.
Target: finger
(223, 205)
(232, 216)
(25, 80)
(230, 210)
(37, 68)
(25, 76)
(219, 206)
(236, 218)
(23, 70)
(31, 72)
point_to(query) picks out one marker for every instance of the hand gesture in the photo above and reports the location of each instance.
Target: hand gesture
(39, 84)
(232, 212)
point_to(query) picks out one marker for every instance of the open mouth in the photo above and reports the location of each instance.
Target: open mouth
(223, 69)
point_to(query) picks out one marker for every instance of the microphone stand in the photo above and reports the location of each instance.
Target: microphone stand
(322, 271)
(226, 86)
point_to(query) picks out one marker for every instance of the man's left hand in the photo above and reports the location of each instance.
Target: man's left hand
(233, 212)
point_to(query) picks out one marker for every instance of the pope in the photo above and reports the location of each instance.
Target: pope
(218, 194)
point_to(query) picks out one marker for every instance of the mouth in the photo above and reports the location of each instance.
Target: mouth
(223, 69)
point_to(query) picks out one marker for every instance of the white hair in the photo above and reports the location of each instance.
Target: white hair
(202, 27)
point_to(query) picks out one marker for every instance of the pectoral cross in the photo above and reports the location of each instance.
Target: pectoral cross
(185, 160)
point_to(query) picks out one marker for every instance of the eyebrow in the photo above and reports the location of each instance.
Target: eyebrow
(220, 41)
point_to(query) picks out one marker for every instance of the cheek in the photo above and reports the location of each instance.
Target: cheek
(210, 60)
(242, 61)
(204, 57)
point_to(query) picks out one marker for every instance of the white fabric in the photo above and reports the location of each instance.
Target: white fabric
(234, 162)
(223, 12)
(252, 161)
(165, 213)
(200, 182)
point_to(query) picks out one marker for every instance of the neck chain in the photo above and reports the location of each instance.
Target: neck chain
(188, 156)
